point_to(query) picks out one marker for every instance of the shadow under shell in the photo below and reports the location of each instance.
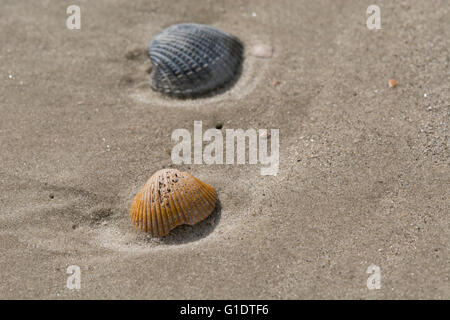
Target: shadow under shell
(193, 60)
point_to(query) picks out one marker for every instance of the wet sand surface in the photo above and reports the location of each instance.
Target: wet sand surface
(364, 168)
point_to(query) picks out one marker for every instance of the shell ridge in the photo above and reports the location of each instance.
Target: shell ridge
(207, 188)
(148, 206)
(201, 45)
(193, 63)
(184, 69)
(183, 206)
(141, 212)
(171, 58)
(189, 208)
(180, 42)
(164, 215)
(196, 212)
(152, 213)
(163, 77)
(170, 221)
(208, 197)
(145, 210)
(200, 59)
(209, 200)
(178, 218)
(174, 202)
(160, 81)
(139, 220)
(148, 209)
(160, 225)
(195, 197)
(228, 43)
(218, 62)
(166, 72)
(201, 204)
(201, 197)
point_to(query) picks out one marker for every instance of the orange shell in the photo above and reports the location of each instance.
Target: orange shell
(171, 198)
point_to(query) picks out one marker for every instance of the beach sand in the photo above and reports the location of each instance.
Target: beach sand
(364, 168)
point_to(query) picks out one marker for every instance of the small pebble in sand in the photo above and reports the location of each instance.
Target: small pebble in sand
(275, 83)
(392, 83)
(134, 53)
(261, 51)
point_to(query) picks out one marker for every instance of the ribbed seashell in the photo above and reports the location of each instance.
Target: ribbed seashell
(191, 59)
(171, 198)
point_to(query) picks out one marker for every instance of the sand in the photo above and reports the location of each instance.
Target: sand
(364, 170)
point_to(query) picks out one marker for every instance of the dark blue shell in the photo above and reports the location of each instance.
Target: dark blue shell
(190, 60)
